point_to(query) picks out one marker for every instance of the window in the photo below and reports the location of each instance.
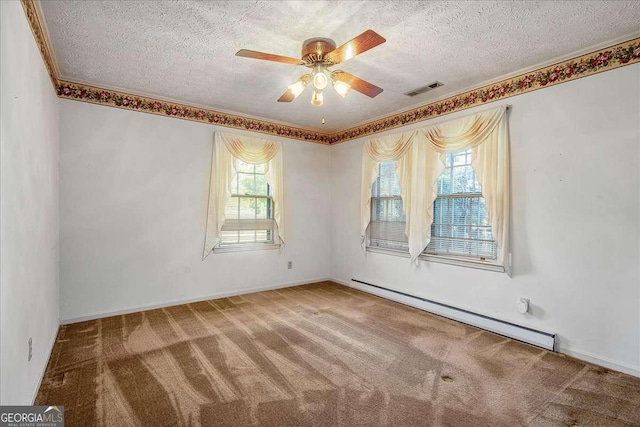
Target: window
(249, 210)
(388, 221)
(246, 197)
(460, 223)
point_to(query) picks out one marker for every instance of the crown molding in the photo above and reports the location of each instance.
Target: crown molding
(97, 95)
(616, 56)
(511, 75)
(41, 35)
(609, 58)
(142, 94)
(114, 98)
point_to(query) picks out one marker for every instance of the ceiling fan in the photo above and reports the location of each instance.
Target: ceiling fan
(319, 54)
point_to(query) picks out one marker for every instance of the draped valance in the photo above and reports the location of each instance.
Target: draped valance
(226, 148)
(420, 160)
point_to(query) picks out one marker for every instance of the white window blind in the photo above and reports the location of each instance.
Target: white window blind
(387, 226)
(460, 224)
(249, 210)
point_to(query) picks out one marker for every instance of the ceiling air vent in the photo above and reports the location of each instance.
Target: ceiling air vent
(424, 89)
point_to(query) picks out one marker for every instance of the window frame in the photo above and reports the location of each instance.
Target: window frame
(274, 242)
(468, 191)
(470, 261)
(387, 198)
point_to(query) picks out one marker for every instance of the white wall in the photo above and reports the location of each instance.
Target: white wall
(133, 192)
(576, 222)
(133, 202)
(29, 210)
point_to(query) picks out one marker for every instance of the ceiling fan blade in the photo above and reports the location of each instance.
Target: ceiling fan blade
(365, 41)
(357, 83)
(268, 57)
(287, 96)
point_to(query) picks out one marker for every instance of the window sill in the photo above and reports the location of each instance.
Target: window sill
(245, 248)
(451, 260)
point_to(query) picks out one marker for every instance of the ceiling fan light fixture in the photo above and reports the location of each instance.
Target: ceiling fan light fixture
(349, 52)
(317, 99)
(342, 88)
(320, 79)
(297, 88)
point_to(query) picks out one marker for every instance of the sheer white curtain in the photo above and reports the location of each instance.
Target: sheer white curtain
(420, 157)
(381, 149)
(226, 148)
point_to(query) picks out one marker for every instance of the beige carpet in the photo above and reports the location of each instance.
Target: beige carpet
(319, 355)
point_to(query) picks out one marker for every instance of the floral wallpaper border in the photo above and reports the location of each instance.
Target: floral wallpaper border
(112, 98)
(32, 11)
(96, 95)
(602, 60)
(572, 69)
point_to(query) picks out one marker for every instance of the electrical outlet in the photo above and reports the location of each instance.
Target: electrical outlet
(523, 305)
(290, 265)
(30, 348)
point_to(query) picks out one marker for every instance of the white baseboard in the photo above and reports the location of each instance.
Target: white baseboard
(93, 316)
(52, 342)
(601, 361)
(521, 333)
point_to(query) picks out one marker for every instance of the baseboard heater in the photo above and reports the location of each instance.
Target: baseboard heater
(521, 333)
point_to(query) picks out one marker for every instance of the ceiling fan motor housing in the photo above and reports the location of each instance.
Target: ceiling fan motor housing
(314, 50)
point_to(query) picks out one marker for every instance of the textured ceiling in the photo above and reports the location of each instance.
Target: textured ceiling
(185, 51)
